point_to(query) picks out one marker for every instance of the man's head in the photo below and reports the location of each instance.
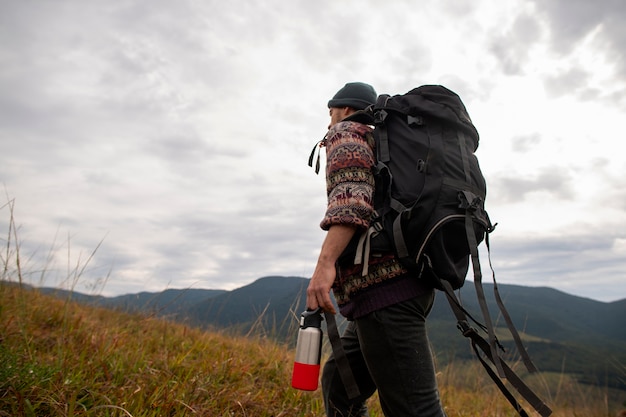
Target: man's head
(351, 97)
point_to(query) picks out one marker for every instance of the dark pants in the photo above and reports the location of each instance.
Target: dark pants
(388, 350)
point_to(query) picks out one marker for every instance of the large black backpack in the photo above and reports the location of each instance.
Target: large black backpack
(429, 206)
(430, 192)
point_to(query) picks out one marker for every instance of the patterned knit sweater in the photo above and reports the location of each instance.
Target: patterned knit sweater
(350, 189)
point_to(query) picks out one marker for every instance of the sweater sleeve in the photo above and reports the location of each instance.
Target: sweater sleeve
(349, 178)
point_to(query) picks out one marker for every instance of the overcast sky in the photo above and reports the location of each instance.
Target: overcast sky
(172, 137)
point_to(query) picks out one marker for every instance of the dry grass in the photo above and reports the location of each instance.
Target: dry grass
(60, 358)
(65, 359)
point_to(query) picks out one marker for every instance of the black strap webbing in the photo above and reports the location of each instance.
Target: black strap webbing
(343, 365)
(383, 144)
(480, 293)
(507, 318)
(528, 394)
(478, 342)
(473, 246)
(312, 156)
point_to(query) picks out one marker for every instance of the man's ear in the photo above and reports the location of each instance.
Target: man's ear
(347, 111)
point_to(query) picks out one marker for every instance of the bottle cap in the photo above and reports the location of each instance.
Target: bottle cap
(311, 318)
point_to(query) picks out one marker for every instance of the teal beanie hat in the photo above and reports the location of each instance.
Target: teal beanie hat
(356, 95)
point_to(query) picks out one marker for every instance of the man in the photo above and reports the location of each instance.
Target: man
(385, 340)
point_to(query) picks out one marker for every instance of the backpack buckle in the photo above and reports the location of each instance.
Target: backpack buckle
(465, 328)
(469, 201)
(379, 117)
(414, 120)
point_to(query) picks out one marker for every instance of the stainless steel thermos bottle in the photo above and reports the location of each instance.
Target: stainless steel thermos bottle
(306, 367)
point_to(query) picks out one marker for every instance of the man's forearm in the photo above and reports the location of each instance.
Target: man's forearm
(335, 243)
(318, 292)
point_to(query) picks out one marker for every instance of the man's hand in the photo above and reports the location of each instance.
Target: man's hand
(318, 292)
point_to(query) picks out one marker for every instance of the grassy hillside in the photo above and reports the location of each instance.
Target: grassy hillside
(58, 358)
(66, 359)
(563, 333)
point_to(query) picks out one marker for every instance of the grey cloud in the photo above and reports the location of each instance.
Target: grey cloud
(526, 143)
(459, 9)
(414, 58)
(570, 22)
(555, 181)
(180, 132)
(511, 48)
(575, 81)
(186, 151)
(617, 198)
(229, 245)
(584, 261)
(566, 83)
(613, 183)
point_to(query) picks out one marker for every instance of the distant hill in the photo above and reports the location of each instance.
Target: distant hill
(269, 303)
(563, 333)
(549, 314)
(169, 303)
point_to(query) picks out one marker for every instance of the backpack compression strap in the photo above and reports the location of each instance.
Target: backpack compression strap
(478, 342)
(470, 202)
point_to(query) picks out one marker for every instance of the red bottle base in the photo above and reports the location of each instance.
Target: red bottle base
(305, 377)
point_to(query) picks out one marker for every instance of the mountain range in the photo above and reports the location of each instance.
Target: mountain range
(562, 332)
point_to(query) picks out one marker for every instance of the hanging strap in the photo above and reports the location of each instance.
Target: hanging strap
(530, 366)
(316, 148)
(511, 376)
(343, 365)
(478, 342)
(480, 293)
(470, 202)
(363, 248)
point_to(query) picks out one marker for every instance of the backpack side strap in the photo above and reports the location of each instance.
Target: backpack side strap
(478, 342)
(530, 366)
